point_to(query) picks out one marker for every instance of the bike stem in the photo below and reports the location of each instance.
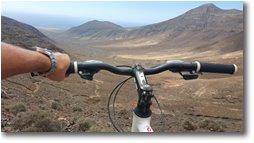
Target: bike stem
(145, 93)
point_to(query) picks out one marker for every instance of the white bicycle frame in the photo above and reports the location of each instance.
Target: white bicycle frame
(141, 124)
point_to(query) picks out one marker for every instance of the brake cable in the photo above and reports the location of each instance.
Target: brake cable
(118, 87)
(162, 115)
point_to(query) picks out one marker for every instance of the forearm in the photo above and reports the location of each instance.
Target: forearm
(16, 60)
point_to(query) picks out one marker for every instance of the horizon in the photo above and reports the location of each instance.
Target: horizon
(64, 15)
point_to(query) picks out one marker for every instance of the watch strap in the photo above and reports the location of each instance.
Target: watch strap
(52, 58)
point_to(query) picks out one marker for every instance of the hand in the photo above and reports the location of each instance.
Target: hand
(63, 63)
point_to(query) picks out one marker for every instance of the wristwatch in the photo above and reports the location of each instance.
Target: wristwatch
(52, 58)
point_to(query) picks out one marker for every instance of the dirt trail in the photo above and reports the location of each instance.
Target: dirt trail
(98, 83)
(37, 86)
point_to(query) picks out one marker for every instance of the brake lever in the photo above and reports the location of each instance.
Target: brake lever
(189, 76)
(88, 75)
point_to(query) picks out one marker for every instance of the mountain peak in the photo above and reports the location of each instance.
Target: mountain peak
(96, 24)
(93, 21)
(96, 21)
(95, 27)
(208, 6)
(205, 9)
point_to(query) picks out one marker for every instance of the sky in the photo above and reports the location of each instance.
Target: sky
(127, 14)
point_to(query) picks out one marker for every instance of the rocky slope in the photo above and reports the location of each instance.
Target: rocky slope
(24, 35)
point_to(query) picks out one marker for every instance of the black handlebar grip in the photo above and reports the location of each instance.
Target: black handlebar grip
(218, 68)
(70, 69)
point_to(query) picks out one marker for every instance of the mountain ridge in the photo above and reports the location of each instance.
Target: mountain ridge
(24, 35)
(203, 18)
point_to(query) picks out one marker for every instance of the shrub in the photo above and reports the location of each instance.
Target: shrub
(85, 125)
(187, 125)
(77, 109)
(17, 107)
(37, 121)
(56, 105)
(210, 125)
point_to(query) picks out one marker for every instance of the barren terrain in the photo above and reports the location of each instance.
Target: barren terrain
(211, 103)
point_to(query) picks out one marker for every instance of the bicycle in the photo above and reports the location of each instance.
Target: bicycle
(142, 112)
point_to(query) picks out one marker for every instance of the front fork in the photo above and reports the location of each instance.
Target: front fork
(142, 113)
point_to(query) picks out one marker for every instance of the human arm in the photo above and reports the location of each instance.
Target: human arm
(16, 60)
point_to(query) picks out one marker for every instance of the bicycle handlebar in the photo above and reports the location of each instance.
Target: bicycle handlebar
(173, 66)
(218, 68)
(87, 66)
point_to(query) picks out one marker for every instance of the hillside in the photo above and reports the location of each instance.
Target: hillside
(24, 35)
(96, 30)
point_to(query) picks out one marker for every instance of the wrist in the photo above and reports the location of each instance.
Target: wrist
(47, 60)
(44, 63)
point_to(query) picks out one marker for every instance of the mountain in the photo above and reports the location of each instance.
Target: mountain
(204, 18)
(206, 22)
(24, 35)
(96, 30)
